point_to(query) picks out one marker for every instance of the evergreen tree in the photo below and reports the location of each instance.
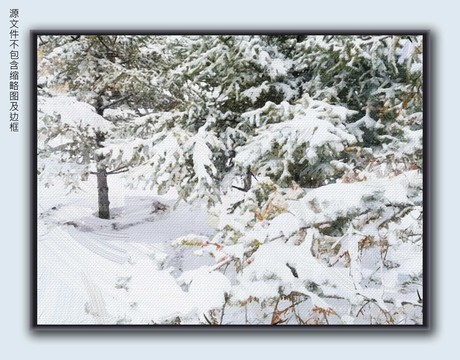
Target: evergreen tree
(105, 72)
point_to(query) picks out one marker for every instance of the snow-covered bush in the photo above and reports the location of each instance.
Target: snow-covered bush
(341, 248)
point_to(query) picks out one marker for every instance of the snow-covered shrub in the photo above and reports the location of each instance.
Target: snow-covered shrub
(337, 249)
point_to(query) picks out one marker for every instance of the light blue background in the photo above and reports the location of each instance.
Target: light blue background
(17, 341)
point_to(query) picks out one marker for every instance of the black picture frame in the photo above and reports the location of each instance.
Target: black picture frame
(427, 189)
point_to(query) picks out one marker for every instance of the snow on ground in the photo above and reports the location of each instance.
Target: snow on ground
(121, 270)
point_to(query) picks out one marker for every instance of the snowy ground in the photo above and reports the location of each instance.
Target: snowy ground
(118, 270)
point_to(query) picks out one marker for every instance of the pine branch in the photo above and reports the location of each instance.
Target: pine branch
(105, 45)
(239, 188)
(113, 172)
(207, 320)
(118, 171)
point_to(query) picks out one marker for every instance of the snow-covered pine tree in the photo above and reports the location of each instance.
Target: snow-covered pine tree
(380, 77)
(221, 78)
(228, 81)
(369, 150)
(106, 73)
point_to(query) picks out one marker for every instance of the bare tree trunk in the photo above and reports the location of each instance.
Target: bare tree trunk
(103, 192)
(102, 186)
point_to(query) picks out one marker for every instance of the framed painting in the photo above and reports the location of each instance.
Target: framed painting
(231, 180)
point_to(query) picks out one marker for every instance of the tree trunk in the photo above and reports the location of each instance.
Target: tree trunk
(102, 186)
(103, 192)
(247, 181)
